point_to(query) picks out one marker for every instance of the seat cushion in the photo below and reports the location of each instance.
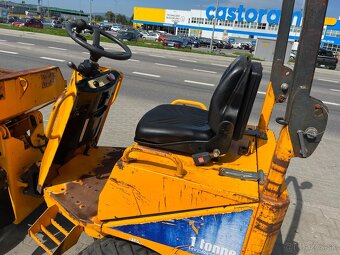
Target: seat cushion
(173, 123)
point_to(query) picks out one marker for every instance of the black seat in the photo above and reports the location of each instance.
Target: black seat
(192, 130)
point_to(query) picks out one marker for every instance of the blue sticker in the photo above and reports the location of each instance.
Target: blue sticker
(221, 234)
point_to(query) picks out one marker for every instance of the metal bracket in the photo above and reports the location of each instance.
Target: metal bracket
(256, 133)
(243, 175)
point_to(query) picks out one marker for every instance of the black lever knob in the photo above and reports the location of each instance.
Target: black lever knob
(72, 66)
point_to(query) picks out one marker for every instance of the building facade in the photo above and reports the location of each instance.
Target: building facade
(27, 10)
(235, 23)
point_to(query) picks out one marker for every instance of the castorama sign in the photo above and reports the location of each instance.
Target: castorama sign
(250, 15)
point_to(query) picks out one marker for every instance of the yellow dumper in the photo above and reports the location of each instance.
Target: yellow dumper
(196, 180)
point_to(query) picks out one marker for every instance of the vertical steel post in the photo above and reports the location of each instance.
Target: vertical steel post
(214, 25)
(310, 38)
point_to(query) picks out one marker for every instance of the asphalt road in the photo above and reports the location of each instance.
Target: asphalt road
(154, 77)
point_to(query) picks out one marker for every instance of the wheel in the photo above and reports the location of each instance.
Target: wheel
(116, 246)
(332, 67)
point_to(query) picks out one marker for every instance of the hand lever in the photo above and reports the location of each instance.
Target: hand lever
(72, 66)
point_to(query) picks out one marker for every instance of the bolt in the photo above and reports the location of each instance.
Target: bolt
(284, 86)
(282, 99)
(317, 107)
(216, 153)
(311, 133)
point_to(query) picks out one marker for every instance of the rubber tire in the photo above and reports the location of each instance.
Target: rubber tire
(116, 246)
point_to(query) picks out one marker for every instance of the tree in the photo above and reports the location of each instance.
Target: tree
(98, 18)
(109, 15)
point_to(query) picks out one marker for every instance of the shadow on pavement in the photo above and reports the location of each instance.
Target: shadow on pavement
(12, 235)
(289, 246)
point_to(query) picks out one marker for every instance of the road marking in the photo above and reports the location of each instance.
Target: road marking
(261, 93)
(200, 83)
(328, 80)
(330, 103)
(133, 60)
(159, 64)
(56, 48)
(147, 74)
(85, 52)
(203, 71)
(213, 64)
(335, 90)
(188, 60)
(156, 56)
(53, 59)
(3, 40)
(24, 43)
(9, 52)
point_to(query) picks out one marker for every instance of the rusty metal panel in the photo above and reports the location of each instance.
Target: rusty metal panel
(33, 88)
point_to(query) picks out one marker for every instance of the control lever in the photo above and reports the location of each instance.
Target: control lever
(72, 66)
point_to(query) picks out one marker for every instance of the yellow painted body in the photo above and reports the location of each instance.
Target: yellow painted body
(22, 128)
(145, 185)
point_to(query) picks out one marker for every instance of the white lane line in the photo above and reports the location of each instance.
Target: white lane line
(335, 90)
(203, 71)
(147, 74)
(134, 60)
(159, 64)
(156, 56)
(261, 93)
(85, 52)
(1, 40)
(330, 103)
(56, 48)
(200, 83)
(213, 64)
(24, 43)
(328, 80)
(53, 59)
(9, 52)
(188, 60)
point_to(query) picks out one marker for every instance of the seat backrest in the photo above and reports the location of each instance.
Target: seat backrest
(248, 100)
(228, 97)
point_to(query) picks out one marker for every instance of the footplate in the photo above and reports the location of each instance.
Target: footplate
(58, 239)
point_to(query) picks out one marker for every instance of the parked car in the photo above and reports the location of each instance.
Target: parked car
(105, 26)
(194, 41)
(237, 45)
(327, 59)
(163, 37)
(206, 42)
(177, 42)
(151, 36)
(115, 28)
(227, 45)
(11, 19)
(28, 23)
(142, 33)
(128, 35)
(56, 24)
(246, 45)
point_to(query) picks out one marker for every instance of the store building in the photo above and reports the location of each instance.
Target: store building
(235, 23)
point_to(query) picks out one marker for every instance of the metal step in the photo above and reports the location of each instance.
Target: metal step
(60, 245)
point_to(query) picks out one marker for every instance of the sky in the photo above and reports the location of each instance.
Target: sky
(126, 6)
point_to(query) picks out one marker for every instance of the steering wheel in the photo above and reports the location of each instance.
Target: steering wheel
(74, 30)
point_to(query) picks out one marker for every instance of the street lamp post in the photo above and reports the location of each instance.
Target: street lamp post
(91, 11)
(214, 25)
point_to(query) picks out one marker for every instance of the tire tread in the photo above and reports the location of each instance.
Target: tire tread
(116, 246)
